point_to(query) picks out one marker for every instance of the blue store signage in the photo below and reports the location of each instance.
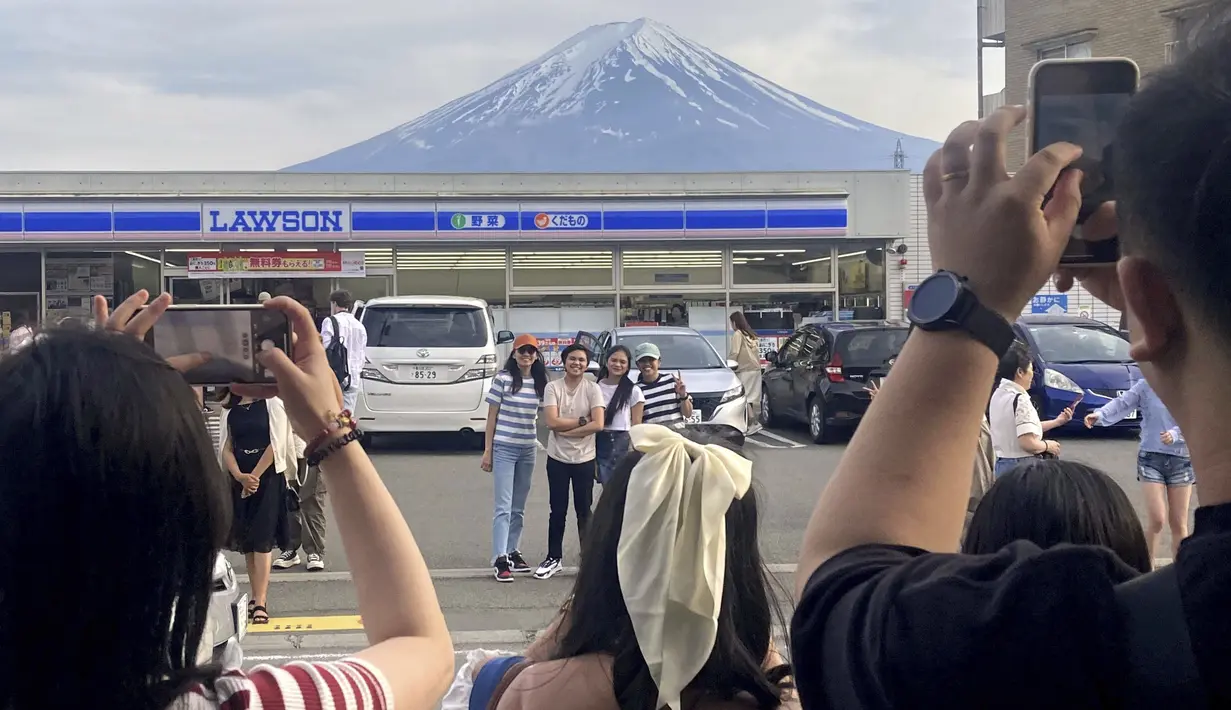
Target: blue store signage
(171, 221)
(1055, 304)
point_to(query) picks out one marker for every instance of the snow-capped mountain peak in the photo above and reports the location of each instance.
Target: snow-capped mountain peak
(621, 97)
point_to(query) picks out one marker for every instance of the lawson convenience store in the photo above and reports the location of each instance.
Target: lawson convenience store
(553, 254)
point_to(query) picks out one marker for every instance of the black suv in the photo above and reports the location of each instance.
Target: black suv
(819, 375)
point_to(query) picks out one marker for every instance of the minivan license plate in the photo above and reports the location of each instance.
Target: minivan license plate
(420, 372)
(694, 418)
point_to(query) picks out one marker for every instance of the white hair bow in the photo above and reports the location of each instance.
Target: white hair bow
(672, 551)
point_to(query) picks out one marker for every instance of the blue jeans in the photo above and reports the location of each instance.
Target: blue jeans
(1167, 469)
(1003, 466)
(611, 446)
(512, 467)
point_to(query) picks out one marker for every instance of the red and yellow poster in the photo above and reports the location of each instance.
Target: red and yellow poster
(306, 264)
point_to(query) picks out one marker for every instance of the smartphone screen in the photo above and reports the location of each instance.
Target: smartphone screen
(220, 341)
(1082, 102)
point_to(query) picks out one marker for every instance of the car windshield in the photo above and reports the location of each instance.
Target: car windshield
(1073, 344)
(680, 351)
(871, 347)
(425, 327)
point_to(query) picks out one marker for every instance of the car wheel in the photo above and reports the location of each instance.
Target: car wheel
(817, 429)
(766, 414)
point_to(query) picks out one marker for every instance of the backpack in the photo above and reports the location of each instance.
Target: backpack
(336, 356)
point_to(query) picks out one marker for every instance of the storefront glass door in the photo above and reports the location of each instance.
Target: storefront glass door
(185, 291)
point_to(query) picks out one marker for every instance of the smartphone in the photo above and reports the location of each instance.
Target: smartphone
(1082, 101)
(218, 344)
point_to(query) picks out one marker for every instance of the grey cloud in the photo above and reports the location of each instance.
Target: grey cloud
(345, 71)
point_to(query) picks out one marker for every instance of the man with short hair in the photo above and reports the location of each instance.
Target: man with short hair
(885, 618)
(340, 327)
(666, 400)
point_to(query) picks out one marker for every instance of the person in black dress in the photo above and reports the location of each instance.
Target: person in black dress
(258, 489)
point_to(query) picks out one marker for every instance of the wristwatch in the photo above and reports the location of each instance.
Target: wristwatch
(944, 302)
(581, 421)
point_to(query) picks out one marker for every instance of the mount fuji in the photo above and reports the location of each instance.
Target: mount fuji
(628, 97)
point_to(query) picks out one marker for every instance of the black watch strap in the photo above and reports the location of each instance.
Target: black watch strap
(989, 328)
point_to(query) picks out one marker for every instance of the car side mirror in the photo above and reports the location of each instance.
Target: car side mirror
(504, 336)
(592, 367)
(731, 364)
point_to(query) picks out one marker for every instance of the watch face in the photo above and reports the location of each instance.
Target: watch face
(934, 298)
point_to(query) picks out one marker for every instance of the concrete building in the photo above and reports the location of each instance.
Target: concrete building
(1151, 32)
(554, 254)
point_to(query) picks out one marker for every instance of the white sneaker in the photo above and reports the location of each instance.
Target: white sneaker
(287, 559)
(316, 563)
(548, 569)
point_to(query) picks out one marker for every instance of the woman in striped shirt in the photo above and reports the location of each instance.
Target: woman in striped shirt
(509, 450)
(104, 441)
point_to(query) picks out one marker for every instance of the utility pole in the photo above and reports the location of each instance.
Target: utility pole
(979, 42)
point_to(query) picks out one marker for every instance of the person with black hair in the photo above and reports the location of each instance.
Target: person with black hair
(573, 410)
(626, 638)
(103, 441)
(1163, 468)
(509, 448)
(887, 616)
(1050, 502)
(1017, 432)
(257, 448)
(625, 404)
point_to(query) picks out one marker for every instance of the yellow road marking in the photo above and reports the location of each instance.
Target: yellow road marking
(290, 624)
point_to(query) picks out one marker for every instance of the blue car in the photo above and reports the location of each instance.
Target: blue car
(1077, 358)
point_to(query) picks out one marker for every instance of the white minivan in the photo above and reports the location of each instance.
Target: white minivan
(430, 362)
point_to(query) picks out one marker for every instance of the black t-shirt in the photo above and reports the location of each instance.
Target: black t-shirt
(882, 626)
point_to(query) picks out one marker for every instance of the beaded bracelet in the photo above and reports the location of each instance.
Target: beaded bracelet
(318, 456)
(338, 422)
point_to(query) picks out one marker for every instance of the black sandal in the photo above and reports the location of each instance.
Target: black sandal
(260, 615)
(251, 606)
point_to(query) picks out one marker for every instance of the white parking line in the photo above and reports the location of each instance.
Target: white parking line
(791, 443)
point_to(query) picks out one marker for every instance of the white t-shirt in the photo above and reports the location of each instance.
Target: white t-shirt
(579, 402)
(623, 419)
(354, 337)
(1008, 423)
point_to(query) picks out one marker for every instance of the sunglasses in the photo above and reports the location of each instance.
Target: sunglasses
(527, 350)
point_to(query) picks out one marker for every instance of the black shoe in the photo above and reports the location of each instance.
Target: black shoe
(519, 564)
(501, 569)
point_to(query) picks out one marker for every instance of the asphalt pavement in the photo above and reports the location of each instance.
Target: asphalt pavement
(437, 483)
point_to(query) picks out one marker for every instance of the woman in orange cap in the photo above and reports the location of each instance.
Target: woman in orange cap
(509, 449)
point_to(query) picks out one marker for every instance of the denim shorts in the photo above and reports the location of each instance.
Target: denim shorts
(1166, 469)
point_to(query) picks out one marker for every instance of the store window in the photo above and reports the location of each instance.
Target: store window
(140, 270)
(775, 316)
(705, 313)
(73, 278)
(557, 268)
(21, 272)
(861, 283)
(475, 273)
(555, 320)
(666, 268)
(788, 264)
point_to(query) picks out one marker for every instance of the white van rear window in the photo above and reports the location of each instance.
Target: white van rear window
(425, 327)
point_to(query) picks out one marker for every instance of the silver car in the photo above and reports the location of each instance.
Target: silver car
(227, 623)
(717, 395)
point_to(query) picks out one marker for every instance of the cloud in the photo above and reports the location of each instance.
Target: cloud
(236, 85)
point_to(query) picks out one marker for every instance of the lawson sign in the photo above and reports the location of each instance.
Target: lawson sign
(304, 220)
(276, 219)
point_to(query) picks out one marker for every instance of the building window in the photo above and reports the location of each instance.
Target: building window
(778, 265)
(663, 269)
(1072, 50)
(563, 267)
(476, 273)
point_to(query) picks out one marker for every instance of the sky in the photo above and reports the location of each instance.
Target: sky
(218, 85)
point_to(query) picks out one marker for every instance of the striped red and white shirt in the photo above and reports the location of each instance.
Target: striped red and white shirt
(350, 684)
